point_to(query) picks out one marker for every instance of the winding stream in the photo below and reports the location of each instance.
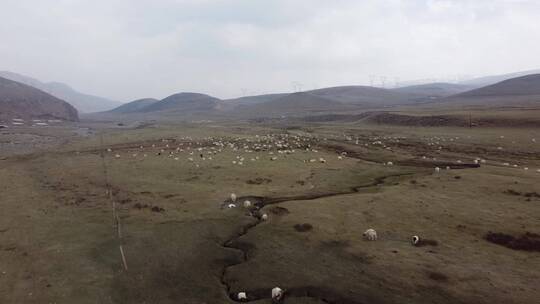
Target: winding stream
(318, 293)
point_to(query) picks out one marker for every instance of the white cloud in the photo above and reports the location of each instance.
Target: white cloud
(130, 49)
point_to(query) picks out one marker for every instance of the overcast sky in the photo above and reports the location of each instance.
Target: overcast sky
(128, 49)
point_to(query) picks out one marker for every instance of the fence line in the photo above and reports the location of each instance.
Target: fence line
(115, 217)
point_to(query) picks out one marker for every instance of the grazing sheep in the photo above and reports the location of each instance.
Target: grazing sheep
(231, 205)
(247, 204)
(277, 294)
(264, 217)
(437, 169)
(241, 296)
(370, 235)
(233, 197)
(415, 239)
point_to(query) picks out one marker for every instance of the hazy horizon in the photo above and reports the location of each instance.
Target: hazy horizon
(125, 50)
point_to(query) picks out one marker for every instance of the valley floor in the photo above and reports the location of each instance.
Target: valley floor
(161, 193)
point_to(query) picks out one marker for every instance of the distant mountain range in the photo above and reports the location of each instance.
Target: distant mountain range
(20, 101)
(28, 100)
(84, 103)
(344, 100)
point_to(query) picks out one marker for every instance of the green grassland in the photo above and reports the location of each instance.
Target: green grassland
(59, 240)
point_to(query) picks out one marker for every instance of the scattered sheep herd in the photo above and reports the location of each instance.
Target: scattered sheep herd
(279, 146)
(278, 293)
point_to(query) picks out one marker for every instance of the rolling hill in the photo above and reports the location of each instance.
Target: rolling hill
(328, 100)
(255, 99)
(339, 100)
(520, 86)
(134, 106)
(365, 95)
(183, 102)
(18, 100)
(493, 79)
(435, 90)
(84, 103)
(302, 103)
(516, 92)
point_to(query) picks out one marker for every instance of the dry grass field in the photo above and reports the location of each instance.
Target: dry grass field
(162, 193)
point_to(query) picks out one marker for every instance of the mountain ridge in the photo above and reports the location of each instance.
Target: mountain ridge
(84, 103)
(18, 100)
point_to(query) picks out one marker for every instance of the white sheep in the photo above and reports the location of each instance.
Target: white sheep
(247, 204)
(370, 235)
(437, 169)
(264, 217)
(233, 197)
(415, 239)
(277, 294)
(241, 296)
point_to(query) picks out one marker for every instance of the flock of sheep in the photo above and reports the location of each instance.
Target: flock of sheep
(278, 146)
(278, 293)
(275, 146)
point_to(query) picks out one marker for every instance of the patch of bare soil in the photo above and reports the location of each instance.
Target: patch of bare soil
(418, 121)
(526, 194)
(277, 210)
(303, 227)
(437, 276)
(450, 121)
(258, 181)
(527, 241)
